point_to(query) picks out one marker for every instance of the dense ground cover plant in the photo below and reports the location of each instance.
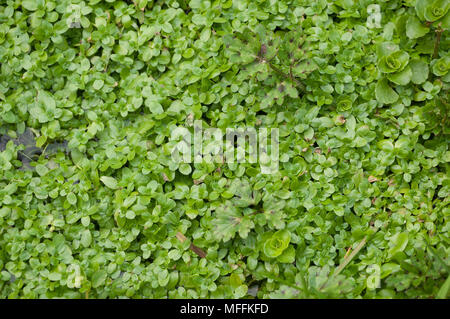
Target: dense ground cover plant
(92, 205)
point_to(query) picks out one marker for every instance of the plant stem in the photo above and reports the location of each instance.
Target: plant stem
(438, 41)
(350, 257)
(200, 252)
(346, 261)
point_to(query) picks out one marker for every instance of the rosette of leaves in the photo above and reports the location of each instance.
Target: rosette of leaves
(433, 11)
(394, 65)
(441, 66)
(265, 54)
(276, 245)
(344, 103)
(229, 220)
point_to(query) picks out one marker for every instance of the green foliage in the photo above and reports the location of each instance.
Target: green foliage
(432, 10)
(93, 206)
(276, 243)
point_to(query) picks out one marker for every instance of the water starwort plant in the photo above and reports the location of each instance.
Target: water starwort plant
(93, 203)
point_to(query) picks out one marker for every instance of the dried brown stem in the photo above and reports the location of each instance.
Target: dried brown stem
(200, 252)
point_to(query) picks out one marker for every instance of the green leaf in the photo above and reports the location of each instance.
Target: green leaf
(41, 170)
(174, 254)
(384, 93)
(71, 198)
(241, 291)
(185, 169)
(54, 276)
(188, 53)
(109, 181)
(419, 71)
(414, 29)
(401, 78)
(86, 238)
(228, 220)
(155, 107)
(444, 290)
(130, 214)
(30, 5)
(98, 278)
(235, 280)
(398, 243)
(288, 255)
(98, 84)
